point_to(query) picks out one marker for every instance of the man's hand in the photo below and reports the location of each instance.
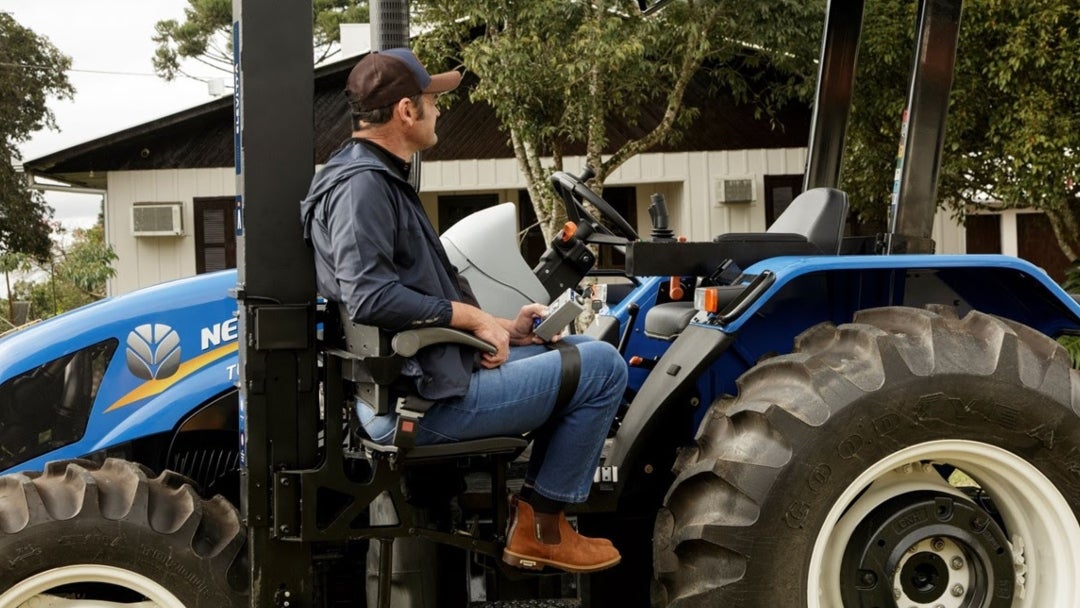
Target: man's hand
(521, 328)
(487, 328)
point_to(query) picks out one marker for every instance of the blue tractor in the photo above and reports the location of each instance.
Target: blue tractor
(811, 420)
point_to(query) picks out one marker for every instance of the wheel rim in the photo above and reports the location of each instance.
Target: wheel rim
(32, 592)
(1042, 530)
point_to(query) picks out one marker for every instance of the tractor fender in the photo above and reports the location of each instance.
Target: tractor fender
(670, 384)
(1000, 285)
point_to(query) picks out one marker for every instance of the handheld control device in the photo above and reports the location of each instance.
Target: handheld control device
(561, 312)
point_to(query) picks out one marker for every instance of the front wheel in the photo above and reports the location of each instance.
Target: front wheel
(910, 458)
(82, 534)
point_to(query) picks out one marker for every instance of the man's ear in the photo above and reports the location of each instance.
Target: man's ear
(407, 110)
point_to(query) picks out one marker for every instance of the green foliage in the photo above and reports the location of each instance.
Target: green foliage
(1072, 344)
(205, 34)
(24, 215)
(558, 73)
(32, 70)
(74, 276)
(1013, 130)
(87, 263)
(1072, 285)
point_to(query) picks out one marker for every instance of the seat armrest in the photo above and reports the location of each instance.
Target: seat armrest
(408, 342)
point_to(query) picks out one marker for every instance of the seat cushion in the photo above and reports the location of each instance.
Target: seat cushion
(666, 321)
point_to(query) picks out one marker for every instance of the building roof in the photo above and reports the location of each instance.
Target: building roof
(202, 136)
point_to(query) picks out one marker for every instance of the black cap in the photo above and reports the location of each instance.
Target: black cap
(382, 78)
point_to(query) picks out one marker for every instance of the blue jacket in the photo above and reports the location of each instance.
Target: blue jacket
(377, 253)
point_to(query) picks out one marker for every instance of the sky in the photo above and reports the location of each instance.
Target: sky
(109, 42)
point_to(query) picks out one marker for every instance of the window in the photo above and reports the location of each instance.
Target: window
(780, 190)
(215, 234)
(624, 200)
(47, 407)
(454, 207)
(983, 233)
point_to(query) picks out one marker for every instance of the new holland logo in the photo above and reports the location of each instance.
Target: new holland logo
(153, 351)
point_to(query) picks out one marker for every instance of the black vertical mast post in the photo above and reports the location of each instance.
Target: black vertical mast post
(914, 203)
(276, 286)
(390, 30)
(389, 24)
(835, 86)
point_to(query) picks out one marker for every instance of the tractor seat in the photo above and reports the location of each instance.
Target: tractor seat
(813, 224)
(372, 360)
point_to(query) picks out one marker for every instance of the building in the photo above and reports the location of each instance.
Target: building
(170, 184)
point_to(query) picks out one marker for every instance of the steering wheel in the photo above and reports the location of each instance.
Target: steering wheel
(574, 193)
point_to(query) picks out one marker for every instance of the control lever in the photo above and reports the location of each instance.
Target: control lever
(662, 233)
(658, 212)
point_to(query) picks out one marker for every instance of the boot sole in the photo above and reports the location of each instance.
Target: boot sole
(526, 562)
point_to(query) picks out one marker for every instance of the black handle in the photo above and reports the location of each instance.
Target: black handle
(658, 212)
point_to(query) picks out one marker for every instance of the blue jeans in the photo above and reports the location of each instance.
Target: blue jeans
(519, 397)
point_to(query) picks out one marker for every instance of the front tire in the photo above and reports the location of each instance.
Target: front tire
(80, 531)
(908, 458)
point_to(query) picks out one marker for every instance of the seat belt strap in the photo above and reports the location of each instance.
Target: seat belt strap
(570, 373)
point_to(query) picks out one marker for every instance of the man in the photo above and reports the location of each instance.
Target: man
(377, 254)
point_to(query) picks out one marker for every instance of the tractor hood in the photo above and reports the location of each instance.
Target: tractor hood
(116, 369)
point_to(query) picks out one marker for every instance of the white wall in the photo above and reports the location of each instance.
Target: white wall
(948, 234)
(144, 261)
(688, 181)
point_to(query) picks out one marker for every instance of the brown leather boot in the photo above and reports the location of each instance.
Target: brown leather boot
(572, 552)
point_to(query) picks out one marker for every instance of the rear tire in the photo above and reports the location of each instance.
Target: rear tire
(910, 456)
(112, 533)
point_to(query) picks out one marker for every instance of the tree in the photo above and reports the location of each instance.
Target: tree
(12, 262)
(1072, 285)
(1013, 130)
(31, 71)
(205, 35)
(558, 73)
(74, 275)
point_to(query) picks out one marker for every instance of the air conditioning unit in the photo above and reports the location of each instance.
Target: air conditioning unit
(163, 219)
(735, 191)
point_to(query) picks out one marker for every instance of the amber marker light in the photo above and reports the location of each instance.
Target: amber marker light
(707, 299)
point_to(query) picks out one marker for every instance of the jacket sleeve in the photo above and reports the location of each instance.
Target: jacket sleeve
(363, 233)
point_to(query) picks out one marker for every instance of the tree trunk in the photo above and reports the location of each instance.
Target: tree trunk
(1066, 224)
(10, 297)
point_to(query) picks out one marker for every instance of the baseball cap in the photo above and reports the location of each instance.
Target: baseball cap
(383, 77)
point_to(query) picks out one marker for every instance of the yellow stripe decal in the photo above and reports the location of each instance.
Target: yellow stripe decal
(154, 387)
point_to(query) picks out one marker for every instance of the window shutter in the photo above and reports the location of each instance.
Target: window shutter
(215, 235)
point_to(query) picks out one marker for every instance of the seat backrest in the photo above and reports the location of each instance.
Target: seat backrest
(818, 214)
(367, 358)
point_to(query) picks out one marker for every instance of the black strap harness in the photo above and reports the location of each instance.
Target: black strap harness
(570, 373)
